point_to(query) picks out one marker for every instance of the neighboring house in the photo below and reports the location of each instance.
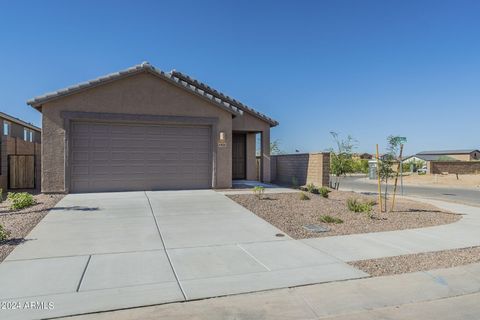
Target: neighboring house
(145, 129)
(446, 155)
(16, 128)
(419, 158)
(17, 138)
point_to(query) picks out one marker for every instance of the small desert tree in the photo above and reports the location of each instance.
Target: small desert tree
(275, 147)
(385, 171)
(341, 158)
(388, 160)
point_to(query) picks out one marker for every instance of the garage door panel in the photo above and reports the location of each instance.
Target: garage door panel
(118, 157)
(100, 155)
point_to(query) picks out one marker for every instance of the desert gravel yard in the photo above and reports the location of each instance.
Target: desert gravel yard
(18, 223)
(287, 212)
(418, 262)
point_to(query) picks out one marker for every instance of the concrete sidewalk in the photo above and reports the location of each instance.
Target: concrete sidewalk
(461, 234)
(439, 294)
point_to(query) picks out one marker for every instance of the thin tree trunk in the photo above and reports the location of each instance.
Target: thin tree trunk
(386, 192)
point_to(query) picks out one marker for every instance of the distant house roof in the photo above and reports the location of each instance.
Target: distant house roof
(430, 157)
(447, 152)
(433, 157)
(174, 77)
(19, 121)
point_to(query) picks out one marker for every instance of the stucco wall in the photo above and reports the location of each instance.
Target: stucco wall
(247, 122)
(138, 94)
(461, 157)
(305, 167)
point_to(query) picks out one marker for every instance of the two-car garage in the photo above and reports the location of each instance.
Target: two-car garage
(135, 156)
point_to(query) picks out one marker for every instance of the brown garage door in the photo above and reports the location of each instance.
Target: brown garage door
(120, 157)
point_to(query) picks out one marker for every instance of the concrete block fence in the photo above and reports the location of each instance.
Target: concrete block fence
(304, 167)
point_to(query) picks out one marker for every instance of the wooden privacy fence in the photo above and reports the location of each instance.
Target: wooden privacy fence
(21, 171)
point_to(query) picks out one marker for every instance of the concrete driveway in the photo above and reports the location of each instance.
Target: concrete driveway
(106, 251)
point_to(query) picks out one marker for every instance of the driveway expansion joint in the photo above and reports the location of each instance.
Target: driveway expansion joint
(253, 257)
(166, 251)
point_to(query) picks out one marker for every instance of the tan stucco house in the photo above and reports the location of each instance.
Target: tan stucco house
(145, 129)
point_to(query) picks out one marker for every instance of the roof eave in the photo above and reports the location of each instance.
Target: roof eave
(144, 67)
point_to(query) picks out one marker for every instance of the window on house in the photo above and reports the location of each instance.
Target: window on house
(27, 135)
(6, 128)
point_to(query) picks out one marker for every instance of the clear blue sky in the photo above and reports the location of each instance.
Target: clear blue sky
(365, 68)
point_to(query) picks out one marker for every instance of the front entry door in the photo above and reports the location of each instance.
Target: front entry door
(239, 155)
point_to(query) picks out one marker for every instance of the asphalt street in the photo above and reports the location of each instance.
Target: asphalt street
(467, 196)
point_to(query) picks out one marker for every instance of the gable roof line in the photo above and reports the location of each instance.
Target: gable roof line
(443, 152)
(176, 78)
(143, 67)
(232, 101)
(19, 121)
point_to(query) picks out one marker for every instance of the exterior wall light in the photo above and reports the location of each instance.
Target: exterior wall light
(222, 137)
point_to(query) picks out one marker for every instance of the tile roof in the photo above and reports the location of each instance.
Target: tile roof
(19, 121)
(447, 152)
(179, 79)
(222, 96)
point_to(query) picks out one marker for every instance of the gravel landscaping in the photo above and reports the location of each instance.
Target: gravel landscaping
(288, 213)
(19, 222)
(418, 262)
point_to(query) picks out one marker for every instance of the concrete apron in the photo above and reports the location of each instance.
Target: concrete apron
(107, 251)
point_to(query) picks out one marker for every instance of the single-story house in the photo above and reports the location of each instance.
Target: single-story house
(447, 155)
(18, 138)
(146, 129)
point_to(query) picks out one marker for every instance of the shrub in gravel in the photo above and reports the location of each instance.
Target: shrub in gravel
(311, 187)
(324, 191)
(330, 219)
(20, 200)
(4, 234)
(357, 206)
(258, 191)
(1, 195)
(303, 196)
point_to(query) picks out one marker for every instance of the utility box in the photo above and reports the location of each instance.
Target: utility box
(372, 169)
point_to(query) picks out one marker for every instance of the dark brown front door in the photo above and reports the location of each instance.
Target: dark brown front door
(239, 154)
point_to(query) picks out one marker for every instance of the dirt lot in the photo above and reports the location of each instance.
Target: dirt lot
(419, 262)
(288, 213)
(19, 223)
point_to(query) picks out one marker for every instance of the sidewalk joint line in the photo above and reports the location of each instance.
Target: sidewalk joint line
(83, 273)
(166, 251)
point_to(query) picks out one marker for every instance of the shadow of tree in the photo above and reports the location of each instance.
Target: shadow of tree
(75, 208)
(14, 241)
(269, 198)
